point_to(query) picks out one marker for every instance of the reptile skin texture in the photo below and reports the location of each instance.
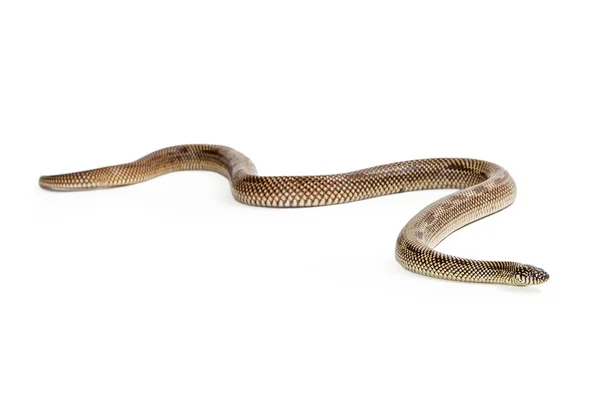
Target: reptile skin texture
(485, 188)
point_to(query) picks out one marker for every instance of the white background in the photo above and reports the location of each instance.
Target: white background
(172, 290)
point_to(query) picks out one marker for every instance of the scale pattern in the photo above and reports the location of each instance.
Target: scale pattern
(485, 189)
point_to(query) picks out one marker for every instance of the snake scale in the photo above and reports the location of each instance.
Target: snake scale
(484, 189)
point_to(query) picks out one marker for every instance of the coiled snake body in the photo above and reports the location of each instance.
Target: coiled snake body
(485, 189)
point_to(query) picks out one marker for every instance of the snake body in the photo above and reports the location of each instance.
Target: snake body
(485, 188)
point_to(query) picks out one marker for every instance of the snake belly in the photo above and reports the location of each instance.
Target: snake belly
(485, 188)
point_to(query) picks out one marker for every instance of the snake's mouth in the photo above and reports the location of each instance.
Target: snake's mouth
(525, 275)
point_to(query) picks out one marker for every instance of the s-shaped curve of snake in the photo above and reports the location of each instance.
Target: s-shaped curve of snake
(484, 189)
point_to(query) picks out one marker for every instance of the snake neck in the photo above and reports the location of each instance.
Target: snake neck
(416, 256)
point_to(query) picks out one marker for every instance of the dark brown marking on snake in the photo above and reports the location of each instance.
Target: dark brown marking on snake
(459, 167)
(429, 219)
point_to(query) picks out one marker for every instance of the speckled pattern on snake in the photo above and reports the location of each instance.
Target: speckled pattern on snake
(484, 189)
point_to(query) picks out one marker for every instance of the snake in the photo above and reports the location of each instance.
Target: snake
(483, 189)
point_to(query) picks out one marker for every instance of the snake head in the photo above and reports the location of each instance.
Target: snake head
(525, 274)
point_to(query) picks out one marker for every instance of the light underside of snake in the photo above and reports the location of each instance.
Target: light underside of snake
(484, 189)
